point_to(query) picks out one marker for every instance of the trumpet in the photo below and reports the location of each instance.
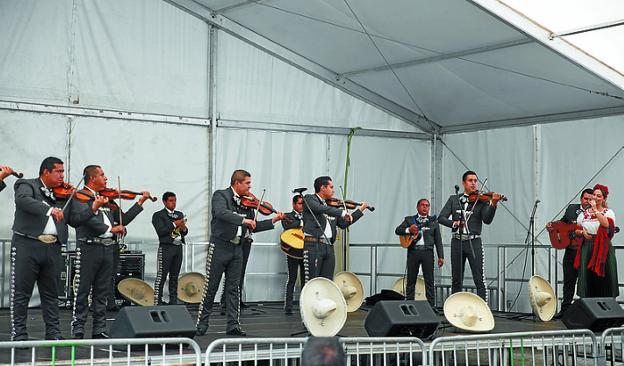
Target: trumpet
(177, 231)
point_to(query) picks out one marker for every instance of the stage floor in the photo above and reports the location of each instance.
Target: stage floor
(262, 320)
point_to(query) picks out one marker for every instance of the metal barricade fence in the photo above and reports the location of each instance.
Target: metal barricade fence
(612, 344)
(565, 347)
(364, 351)
(118, 351)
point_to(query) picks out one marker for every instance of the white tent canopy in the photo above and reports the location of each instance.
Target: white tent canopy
(442, 65)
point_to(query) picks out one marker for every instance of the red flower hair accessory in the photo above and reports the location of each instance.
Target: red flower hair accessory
(603, 189)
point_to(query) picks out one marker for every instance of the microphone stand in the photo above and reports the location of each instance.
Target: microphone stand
(531, 235)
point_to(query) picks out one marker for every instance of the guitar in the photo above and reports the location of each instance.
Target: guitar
(406, 240)
(291, 242)
(562, 234)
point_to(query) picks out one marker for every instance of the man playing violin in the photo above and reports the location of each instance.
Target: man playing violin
(170, 226)
(5, 171)
(39, 229)
(98, 228)
(319, 228)
(569, 272)
(231, 225)
(425, 234)
(466, 218)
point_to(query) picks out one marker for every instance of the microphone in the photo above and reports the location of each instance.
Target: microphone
(299, 190)
(456, 189)
(537, 201)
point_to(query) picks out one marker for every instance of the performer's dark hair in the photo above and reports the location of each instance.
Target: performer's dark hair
(48, 164)
(89, 171)
(323, 351)
(586, 191)
(166, 195)
(420, 200)
(239, 175)
(466, 174)
(296, 198)
(320, 182)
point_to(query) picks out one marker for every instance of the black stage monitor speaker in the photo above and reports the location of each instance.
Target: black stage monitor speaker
(594, 313)
(153, 321)
(403, 318)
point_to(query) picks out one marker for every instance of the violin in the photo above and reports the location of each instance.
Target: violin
(16, 174)
(484, 196)
(113, 194)
(251, 201)
(336, 202)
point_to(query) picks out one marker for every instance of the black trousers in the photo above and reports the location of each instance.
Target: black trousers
(33, 261)
(94, 267)
(460, 251)
(417, 257)
(169, 264)
(110, 298)
(294, 265)
(222, 257)
(319, 260)
(569, 277)
(246, 247)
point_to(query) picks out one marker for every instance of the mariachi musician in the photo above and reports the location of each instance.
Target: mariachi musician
(423, 234)
(465, 213)
(98, 228)
(170, 226)
(293, 220)
(39, 229)
(319, 226)
(569, 272)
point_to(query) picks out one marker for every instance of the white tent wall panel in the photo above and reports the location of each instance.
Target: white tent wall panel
(255, 86)
(143, 56)
(34, 58)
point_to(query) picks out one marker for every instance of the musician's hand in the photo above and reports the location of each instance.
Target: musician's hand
(249, 223)
(364, 206)
(57, 214)
(348, 218)
(118, 229)
(5, 171)
(279, 216)
(440, 262)
(457, 223)
(98, 202)
(145, 195)
(413, 229)
(586, 234)
(593, 205)
(179, 222)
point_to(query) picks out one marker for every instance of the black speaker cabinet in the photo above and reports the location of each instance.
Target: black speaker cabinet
(153, 321)
(401, 318)
(594, 313)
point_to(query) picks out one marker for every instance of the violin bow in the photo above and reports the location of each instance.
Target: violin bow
(259, 204)
(344, 199)
(122, 236)
(73, 194)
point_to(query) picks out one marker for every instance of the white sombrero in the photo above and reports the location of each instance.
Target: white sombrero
(351, 288)
(136, 291)
(419, 294)
(190, 287)
(323, 307)
(542, 297)
(467, 311)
